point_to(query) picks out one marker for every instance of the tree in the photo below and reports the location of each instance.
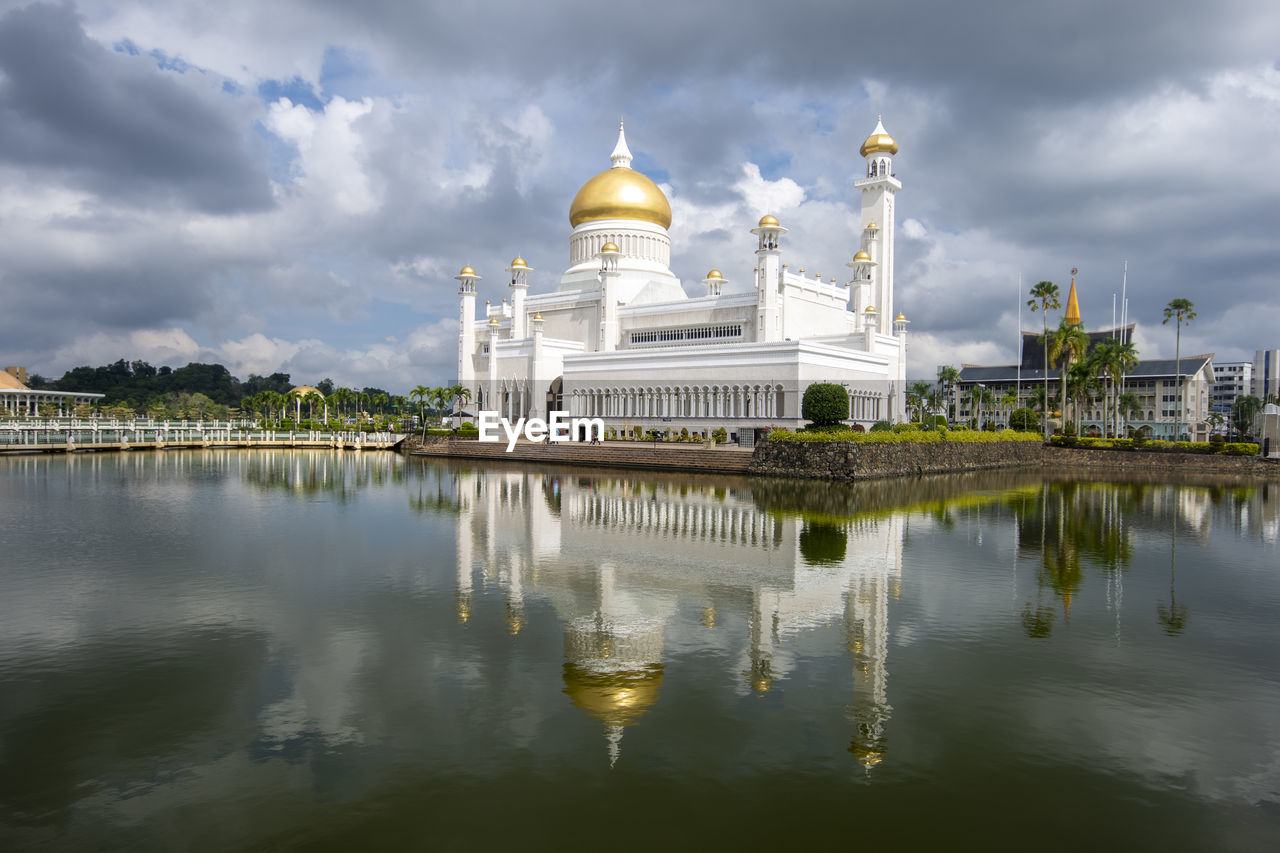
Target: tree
(1067, 344)
(948, 377)
(1127, 406)
(1243, 411)
(1008, 402)
(825, 404)
(1216, 420)
(918, 395)
(1023, 420)
(978, 396)
(420, 394)
(1044, 297)
(1182, 312)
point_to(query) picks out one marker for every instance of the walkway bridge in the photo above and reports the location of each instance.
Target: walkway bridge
(68, 435)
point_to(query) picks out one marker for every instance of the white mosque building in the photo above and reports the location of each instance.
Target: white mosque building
(620, 339)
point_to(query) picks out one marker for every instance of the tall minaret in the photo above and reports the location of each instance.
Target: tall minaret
(608, 254)
(519, 271)
(467, 279)
(768, 278)
(878, 190)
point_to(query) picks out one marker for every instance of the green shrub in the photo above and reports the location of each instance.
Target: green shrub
(720, 434)
(881, 426)
(912, 427)
(1217, 440)
(1024, 420)
(468, 428)
(1240, 448)
(825, 403)
(891, 437)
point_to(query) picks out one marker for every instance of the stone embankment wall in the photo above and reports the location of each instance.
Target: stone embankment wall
(851, 461)
(858, 461)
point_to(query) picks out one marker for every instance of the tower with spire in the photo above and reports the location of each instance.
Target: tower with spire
(878, 187)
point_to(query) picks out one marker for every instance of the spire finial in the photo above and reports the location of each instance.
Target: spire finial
(621, 155)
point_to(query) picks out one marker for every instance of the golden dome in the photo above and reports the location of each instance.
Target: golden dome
(611, 248)
(768, 221)
(519, 263)
(879, 142)
(617, 698)
(871, 309)
(620, 193)
(873, 227)
(493, 321)
(901, 317)
(861, 258)
(466, 271)
(303, 390)
(714, 274)
(537, 316)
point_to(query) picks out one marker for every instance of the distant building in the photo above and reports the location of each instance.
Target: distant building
(1155, 383)
(1231, 381)
(1266, 373)
(18, 401)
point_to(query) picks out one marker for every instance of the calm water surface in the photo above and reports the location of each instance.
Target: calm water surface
(224, 650)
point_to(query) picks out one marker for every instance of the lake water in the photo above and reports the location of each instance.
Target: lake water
(261, 650)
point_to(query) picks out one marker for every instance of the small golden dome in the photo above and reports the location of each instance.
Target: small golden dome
(901, 317)
(879, 142)
(620, 193)
(519, 263)
(768, 221)
(861, 258)
(466, 271)
(873, 227)
(610, 248)
(714, 274)
(871, 309)
(537, 316)
(493, 321)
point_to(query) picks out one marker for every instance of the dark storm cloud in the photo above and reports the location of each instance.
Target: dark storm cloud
(115, 125)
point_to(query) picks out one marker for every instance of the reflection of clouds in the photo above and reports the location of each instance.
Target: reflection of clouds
(323, 698)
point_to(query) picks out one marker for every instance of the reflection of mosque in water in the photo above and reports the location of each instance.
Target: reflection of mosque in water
(618, 558)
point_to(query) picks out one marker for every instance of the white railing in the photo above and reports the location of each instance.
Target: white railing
(79, 432)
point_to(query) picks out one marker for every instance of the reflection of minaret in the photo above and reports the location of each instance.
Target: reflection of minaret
(867, 630)
(613, 663)
(465, 484)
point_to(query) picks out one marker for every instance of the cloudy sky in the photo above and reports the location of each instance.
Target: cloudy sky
(291, 185)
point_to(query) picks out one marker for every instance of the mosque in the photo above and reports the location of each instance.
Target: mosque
(620, 339)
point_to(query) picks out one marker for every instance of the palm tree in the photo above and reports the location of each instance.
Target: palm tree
(1082, 384)
(1040, 401)
(948, 377)
(977, 397)
(1068, 343)
(1126, 407)
(1243, 411)
(917, 394)
(460, 394)
(1008, 403)
(1044, 297)
(1216, 420)
(1182, 312)
(420, 394)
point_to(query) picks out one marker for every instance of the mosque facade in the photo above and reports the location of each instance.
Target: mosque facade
(620, 339)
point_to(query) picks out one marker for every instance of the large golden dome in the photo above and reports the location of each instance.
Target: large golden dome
(617, 698)
(879, 142)
(620, 193)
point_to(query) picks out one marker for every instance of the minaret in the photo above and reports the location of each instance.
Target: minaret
(519, 272)
(1073, 303)
(878, 189)
(621, 155)
(467, 279)
(769, 278)
(608, 255)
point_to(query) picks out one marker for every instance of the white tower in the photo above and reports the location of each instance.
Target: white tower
(519, 272)
(608, 297)
(467, 279)
(878, 190)
(769, 277)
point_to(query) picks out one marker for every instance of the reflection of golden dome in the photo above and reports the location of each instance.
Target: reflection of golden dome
(620, 193)
(466, 271)
(879, 142)
(862, 258)
(519, 263)
(617, 698)
(610, 248)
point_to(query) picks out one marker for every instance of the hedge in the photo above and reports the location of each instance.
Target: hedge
(906, 437)
(1233, 448)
